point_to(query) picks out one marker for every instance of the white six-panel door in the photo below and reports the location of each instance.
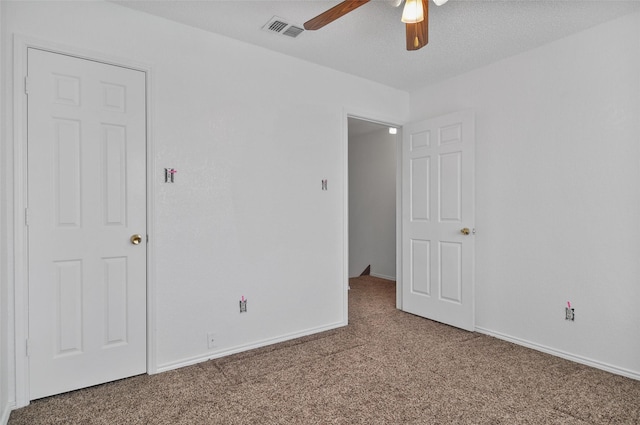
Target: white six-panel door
(437, 207)
(86, 198)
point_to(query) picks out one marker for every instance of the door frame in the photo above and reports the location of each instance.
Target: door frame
(386, 121)
(20, 287)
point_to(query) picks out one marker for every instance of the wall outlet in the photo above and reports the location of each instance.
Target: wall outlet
(569, 314)
(211, 340)
(243, 305)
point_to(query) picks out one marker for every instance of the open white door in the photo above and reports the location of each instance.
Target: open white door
(87, 206)
(438, 219)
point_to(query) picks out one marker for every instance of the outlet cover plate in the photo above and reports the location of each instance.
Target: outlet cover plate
(569, 314)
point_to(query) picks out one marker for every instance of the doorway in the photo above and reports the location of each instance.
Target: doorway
(372, 165)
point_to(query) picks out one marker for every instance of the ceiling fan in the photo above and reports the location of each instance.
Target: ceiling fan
(415, 16)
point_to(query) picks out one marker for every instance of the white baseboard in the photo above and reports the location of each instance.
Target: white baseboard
(559, 353)
(381, 276)
(4, 419)
(238, 349)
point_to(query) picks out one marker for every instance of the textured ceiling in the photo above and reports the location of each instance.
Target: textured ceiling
(370, 42)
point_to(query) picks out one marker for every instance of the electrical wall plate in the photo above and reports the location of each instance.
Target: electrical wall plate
(169, 175)
(569, 314)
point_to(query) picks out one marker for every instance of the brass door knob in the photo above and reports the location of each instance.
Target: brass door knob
(136, 239)
(465, 231)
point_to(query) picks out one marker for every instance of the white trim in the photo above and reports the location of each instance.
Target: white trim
(559, 353)
(399, 221)
(375, 118)
(241, 348)
(470, 114)
(381, 276)
(20, 285)
(20, 310)
(345, 218)
(4, 419)
(151, 208)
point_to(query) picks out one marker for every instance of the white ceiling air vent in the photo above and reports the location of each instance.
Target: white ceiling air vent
(281, 26)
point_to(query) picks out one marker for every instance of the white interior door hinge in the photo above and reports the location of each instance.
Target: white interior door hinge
(26, 85)
(26, 348)
(26, 216)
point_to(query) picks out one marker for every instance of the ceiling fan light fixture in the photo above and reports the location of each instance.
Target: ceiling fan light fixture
(412, 12)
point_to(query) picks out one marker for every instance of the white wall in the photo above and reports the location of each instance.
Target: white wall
(246, 216)
(557, 174)
(372, 203)
(4, 306)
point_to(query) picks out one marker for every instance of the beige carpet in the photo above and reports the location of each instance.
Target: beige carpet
(386, 367)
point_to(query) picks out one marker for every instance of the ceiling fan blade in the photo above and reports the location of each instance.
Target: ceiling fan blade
(418, 34)
(332, 14)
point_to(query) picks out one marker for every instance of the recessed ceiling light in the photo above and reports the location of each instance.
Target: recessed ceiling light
(393, 130)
